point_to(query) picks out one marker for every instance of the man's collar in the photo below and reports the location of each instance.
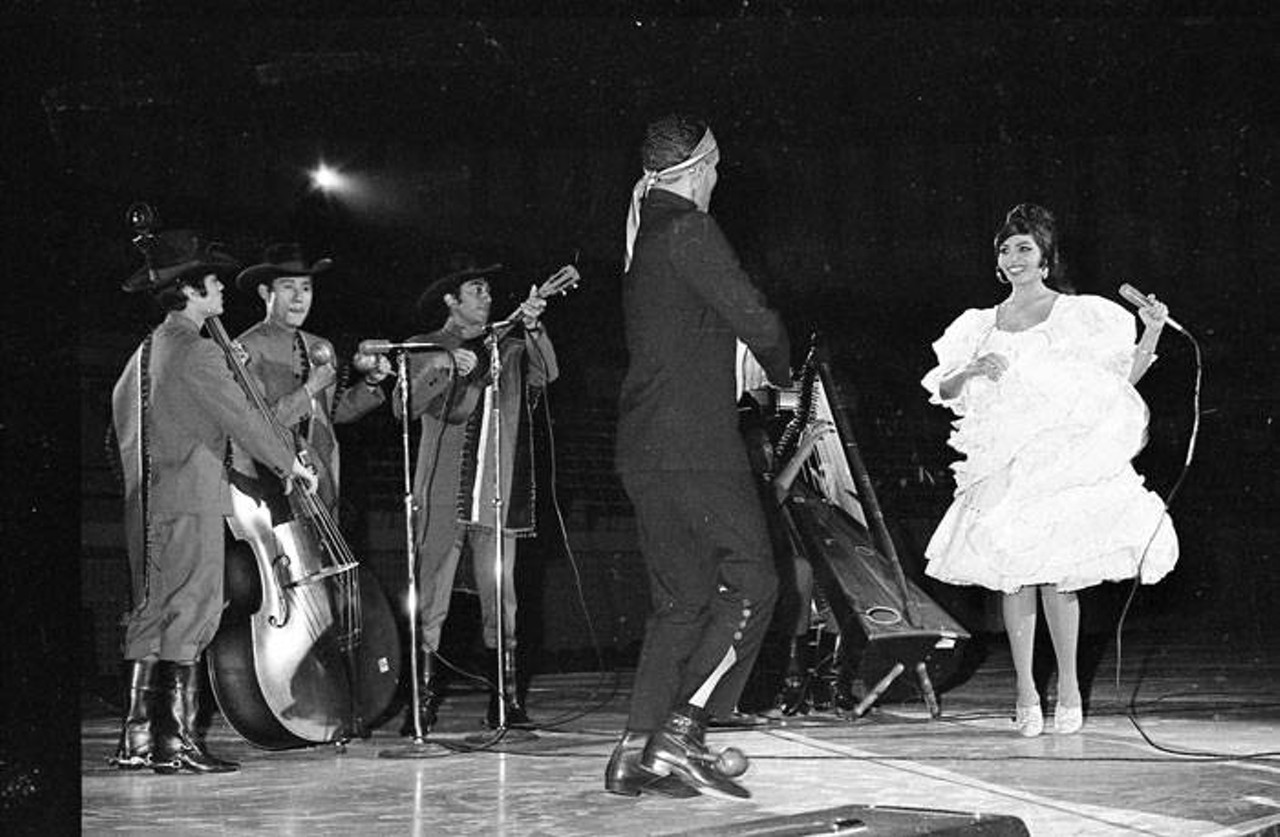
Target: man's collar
(278, 326)
(462, 332)
(664, 197)
(179, 318)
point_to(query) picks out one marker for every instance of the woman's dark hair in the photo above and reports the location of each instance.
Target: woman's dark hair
(1037, 222)
(670, 140)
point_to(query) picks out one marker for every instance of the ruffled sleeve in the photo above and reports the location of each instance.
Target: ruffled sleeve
(1102, 333)
(955, 348)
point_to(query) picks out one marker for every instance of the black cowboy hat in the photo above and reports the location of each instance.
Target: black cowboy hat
(281, 259)
(450, 283)
(176, 254)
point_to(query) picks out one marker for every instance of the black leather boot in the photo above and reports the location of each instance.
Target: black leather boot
(430, 692)
(137, 740)
(822, 693)
(181, 747)
(517, 718)
(792, 698)
(844, 673)
(625, 777)
(679, 748)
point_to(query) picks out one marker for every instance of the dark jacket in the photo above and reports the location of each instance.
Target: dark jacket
(528, 362)
(685, 300)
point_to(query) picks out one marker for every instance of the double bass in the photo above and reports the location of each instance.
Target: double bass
(308, 651)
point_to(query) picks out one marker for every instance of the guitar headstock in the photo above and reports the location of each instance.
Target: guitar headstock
(562, 281)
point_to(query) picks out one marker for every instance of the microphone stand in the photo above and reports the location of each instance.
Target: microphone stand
(419, 747)
(503, 732)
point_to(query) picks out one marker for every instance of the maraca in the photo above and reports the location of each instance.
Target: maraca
(732, 762)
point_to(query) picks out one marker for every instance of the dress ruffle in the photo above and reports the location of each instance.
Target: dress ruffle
(1045, 493)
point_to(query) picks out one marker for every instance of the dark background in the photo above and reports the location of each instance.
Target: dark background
(867, 158)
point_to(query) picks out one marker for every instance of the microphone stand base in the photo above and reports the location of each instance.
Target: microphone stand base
(418, 748)
(495, 740)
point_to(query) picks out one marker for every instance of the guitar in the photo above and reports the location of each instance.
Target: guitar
(560, 282)
(465, 394)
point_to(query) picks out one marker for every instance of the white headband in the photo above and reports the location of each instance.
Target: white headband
(701, 151)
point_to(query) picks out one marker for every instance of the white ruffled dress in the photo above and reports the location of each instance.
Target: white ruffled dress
(1046, 492)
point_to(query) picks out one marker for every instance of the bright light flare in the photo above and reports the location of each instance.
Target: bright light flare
(327, 179)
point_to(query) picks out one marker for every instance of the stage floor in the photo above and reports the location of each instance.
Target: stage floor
(1199, 757)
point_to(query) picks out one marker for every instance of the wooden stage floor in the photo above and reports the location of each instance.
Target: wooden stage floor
(1199, 757)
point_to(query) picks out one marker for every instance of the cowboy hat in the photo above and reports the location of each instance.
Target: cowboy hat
(282, 259)
(450, 283)
(176, 254)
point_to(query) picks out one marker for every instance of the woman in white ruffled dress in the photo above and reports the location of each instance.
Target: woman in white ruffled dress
(1047, 501)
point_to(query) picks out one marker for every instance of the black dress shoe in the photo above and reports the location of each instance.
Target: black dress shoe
(677, 749)
(625, 777)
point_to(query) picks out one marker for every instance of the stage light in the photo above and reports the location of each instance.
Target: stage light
(326, 179)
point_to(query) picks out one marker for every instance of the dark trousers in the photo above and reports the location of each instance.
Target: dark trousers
(178, 597)
(712, 586)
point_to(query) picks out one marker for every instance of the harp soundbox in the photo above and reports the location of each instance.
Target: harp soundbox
(897, 638)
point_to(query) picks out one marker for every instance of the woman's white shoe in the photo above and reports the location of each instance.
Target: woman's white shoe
(1068, 719)
(1029, 720)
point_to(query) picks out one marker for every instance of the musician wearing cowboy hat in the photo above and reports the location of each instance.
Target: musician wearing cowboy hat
(295, 369)
(453, 481)
(174, 408)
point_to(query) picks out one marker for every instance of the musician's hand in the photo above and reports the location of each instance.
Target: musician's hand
(465, 359)
(374, 367)
(241, 353)
(322, 376)
(816, 431)
(379, 370)
(531, 309)
(303, 474)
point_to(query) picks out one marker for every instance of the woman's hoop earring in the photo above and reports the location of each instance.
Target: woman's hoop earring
(1000, 277)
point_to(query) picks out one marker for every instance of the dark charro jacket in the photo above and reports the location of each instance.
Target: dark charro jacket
(686, 300)
(528, 363)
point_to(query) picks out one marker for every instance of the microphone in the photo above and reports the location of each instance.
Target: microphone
(501, 325)
(382, 347)
(1139, 299)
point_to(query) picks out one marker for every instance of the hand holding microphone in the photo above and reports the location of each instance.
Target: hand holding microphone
(322, 372)
(374, 367)
(1149, 308)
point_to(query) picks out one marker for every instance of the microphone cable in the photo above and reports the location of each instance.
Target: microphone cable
(1131, 706)
(593, 701)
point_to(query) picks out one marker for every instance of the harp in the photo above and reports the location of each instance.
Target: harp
(897, 639)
